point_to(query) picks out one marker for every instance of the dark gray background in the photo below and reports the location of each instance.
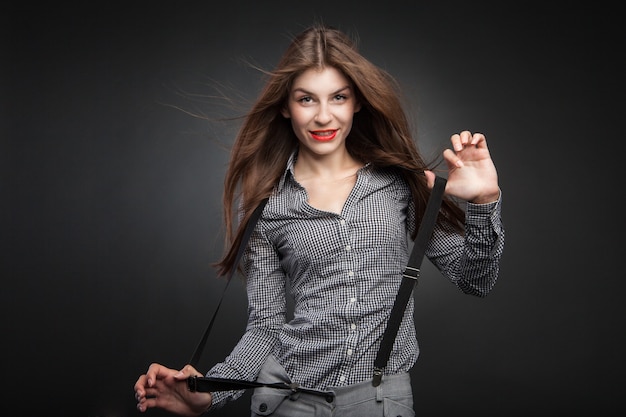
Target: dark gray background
(110, 209)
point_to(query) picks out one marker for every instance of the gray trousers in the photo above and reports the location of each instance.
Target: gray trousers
(392, 398)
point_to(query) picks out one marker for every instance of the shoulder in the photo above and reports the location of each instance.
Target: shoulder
(387, 176)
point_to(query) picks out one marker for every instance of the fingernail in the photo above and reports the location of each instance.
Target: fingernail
(459, 163)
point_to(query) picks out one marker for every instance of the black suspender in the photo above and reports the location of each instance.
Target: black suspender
(409, 280)
(256, 214)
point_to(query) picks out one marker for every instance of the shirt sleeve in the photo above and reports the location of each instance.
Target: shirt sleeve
(471, 262)
(265, 284)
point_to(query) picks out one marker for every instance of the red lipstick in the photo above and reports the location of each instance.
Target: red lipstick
(324, 135)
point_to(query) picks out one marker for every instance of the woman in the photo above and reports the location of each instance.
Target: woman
(330, 145)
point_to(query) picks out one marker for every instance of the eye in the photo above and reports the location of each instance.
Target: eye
(305, 99)
(341, 97)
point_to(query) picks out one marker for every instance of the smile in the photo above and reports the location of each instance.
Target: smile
(324, 135)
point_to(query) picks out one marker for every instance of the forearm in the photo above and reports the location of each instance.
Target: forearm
(471, 261)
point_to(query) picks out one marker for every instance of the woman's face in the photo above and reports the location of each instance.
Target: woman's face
(321, 106)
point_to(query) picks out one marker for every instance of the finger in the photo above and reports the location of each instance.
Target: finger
(190, 370)
(151, 393)
(477, 139)
(140, 385)
(146, 403)
(141, 406)
(456, 142)
(154, 370)
(187, 372)
(430, 178)
(466, 136)
(452, 159)
(142, 402)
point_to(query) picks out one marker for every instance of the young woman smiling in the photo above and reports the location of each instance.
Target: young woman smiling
(328, 142)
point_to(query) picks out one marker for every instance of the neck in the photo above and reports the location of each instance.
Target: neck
(333, 166)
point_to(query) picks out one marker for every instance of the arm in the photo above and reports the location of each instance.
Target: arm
(470, 261)
(265, 283)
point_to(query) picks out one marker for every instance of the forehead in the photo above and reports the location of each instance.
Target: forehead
(321, 80)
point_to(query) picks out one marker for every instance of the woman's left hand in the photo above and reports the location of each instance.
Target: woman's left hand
(472, 176)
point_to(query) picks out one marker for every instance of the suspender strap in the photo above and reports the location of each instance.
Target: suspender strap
(409, 278)
(207, 384)
(256, 214)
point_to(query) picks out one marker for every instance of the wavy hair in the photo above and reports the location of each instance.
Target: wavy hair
(380, 133)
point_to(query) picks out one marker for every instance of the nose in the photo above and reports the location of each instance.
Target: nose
(323, 116)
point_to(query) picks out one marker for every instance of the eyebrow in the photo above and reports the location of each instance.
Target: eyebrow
(302, 90)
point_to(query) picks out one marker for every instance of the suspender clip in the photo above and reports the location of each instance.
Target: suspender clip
(378, 377)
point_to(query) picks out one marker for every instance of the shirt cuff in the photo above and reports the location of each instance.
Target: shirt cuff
(483, 213)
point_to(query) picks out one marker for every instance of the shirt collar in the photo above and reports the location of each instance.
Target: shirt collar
(288, 170)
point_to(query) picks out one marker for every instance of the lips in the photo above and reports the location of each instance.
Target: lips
(324, 135)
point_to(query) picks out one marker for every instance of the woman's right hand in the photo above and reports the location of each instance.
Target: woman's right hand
(166, 388)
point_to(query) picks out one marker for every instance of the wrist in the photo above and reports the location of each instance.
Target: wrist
(486, 198)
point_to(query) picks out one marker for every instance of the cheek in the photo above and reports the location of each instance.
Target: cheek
(347, 116)
(297, 128)
(299, 118)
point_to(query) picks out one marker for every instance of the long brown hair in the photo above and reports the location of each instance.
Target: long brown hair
(380, 134)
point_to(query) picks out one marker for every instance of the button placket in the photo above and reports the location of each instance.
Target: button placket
(351, 305)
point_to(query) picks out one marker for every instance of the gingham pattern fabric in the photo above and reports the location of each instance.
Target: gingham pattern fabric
(343, 272)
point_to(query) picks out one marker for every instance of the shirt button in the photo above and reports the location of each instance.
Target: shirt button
(349, 352)
(353, 300)
(342, 222)
(353, 326)
(342, 378)
(348, 247)
(350, 273)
